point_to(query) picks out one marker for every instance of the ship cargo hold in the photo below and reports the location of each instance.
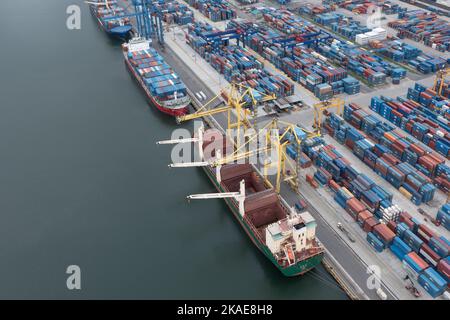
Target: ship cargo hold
(162, 86)
(108, 15)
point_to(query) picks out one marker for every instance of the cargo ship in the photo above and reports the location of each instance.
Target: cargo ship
(162, 86)
(284, 235)
(105, 13)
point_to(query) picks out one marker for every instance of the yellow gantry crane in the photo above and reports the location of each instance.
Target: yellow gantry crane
(320, 107)
(287, 170)
(239, 98)
(439, 81)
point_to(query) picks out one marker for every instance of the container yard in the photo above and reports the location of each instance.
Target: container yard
(237, 64)
(175, 12)
(216, 10)
(416, 115)
(367, 7)
(362, 121)
(423, 26)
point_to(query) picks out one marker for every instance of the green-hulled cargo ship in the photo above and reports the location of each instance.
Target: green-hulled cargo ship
(299, 262)
(286, 237)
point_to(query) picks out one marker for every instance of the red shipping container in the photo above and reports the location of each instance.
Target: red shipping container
(409, 223)
(429, 255)
(333, 185)
(415, 257)
(354, 206)
(392, 225)
(384, 232)
(437, 158)
(444, 268)
(364, 215)
(369, 224)
(425, 233)
(404, 215)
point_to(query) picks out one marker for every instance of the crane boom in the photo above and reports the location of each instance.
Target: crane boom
(189, 164)
(213, 195)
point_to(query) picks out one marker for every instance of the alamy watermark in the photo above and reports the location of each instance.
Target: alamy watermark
(374, 18)
(235, 146)
(73, 21)
(73, 281)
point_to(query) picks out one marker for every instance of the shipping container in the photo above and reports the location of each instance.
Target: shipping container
(216, 10)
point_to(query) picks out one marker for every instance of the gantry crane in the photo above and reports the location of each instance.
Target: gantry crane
(439, 81)
(218, 160)
(238, 98)
(148, 17)
(286, 170)
(320, 107)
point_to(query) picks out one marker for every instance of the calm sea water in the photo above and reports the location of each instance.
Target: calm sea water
(83, 183)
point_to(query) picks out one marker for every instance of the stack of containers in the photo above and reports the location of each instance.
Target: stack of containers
(237, 64)
(432, 282)
(377, 34)
(406, 53)
(361, 62)
(412, 242)
(288, 22)
(390, 8)
(248, 1)
(424, 115)
(443, 268)
(314, 9)
(422, 26)
(424, 255)
(351, 85)
(301, 64)
(366, 7)
(425, 130)
(339, 23)
(414, 265)
(381, 234)
(159, 77)
(399, 248)
(174, 12)
(359, 193)
(443, 216)
(387, 156)
(216, 10)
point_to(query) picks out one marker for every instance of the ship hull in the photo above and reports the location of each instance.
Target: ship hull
(176, 112)
(120, 32)
(296, 269)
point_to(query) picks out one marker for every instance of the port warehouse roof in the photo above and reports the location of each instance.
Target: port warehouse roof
(157, 74)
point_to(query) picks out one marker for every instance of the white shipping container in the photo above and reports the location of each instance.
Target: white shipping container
(427, 256)
(423, 234)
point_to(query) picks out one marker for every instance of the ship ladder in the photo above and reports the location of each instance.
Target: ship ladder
(290, 255)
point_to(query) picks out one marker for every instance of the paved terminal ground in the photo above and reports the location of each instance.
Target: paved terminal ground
(352, 257)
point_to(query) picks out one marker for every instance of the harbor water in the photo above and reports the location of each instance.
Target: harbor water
(83, 182)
